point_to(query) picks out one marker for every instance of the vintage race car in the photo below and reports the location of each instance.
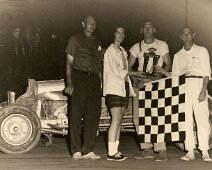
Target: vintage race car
(41, 110)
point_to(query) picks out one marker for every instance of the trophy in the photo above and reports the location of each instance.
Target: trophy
(155, 58)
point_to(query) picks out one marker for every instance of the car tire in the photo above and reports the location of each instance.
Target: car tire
(20, 129)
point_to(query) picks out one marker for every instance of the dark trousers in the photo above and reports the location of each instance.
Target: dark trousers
(85, 103)
(18, 83)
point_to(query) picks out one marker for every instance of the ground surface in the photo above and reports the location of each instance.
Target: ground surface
(57, 157)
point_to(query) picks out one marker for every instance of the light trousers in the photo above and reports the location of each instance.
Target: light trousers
(201, 114)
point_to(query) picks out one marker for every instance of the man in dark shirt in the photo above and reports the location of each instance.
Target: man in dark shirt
(84, 86)
(15, 49)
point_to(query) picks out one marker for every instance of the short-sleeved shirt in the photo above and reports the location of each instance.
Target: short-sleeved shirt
(147, 54)
(86, 53)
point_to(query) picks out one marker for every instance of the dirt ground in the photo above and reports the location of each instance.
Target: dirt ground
(57, 157)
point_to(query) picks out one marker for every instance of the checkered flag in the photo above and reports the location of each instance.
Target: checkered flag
(161, 111)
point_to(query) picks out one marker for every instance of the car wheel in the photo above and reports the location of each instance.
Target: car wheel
(20, 129)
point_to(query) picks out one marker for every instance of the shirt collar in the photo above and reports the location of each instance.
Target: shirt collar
(151, 43)
(112, 45)
(91, 38)
(193, 46)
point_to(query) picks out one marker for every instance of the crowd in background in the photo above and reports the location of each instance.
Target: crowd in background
(28, 52)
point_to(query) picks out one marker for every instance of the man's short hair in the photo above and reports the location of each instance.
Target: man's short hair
(188, 27)
(149, 22)
(89, 17)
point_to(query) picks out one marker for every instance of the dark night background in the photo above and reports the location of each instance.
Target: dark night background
(63, 18)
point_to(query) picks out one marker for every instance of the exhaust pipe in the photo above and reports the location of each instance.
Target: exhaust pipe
(52, 131)
(10, 97)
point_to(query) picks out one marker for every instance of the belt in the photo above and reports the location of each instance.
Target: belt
(89, 73)
(191, 76)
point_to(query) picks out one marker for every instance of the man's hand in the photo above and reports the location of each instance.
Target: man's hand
(137, 74)
(187, 73)
(161, 70)
(202, 96)
(139, 83)
(68, 90)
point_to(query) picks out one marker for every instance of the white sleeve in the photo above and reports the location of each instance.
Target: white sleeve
(175, 65)
(206, 62)
(112, 65)
(165, 49)
(134, 50)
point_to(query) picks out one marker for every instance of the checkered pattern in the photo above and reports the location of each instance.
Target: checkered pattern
(161, 111)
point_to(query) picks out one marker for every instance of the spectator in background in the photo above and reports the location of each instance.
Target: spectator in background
(54, 56)
(37, 54)
(15, 48)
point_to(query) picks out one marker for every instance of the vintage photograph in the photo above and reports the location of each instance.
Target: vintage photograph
(105, 84)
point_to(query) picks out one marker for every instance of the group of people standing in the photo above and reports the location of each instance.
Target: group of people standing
(83, 84)
(28, 53)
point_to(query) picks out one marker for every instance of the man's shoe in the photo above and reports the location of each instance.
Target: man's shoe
(77, 156)
(161, 156)
(145, 154)
(188, 157)
(206, 158)
(91, 156)
(116, 157)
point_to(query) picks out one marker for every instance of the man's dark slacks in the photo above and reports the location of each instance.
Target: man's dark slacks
(85, 103)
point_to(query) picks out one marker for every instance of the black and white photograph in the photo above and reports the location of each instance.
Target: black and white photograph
(105, 84)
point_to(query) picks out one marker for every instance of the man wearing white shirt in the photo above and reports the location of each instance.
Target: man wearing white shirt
(194, 60)
(150, 52)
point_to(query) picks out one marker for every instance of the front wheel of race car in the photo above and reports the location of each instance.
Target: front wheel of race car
(20, 129)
